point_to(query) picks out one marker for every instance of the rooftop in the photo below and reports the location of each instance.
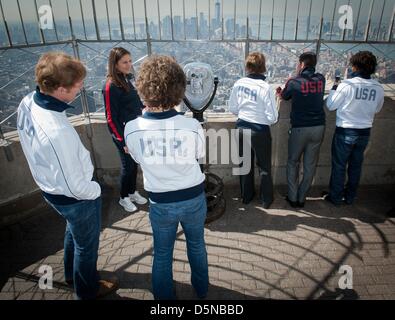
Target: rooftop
(279, 253)
(253, 253)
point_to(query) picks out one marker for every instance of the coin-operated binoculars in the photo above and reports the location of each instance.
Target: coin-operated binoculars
(201, 88)
(200, 92)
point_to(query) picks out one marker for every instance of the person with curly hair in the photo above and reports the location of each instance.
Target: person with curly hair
(356, 101)
(122, 105)
(167, 145)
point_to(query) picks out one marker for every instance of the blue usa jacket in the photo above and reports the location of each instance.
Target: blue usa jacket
(307, 93)
(121, 107)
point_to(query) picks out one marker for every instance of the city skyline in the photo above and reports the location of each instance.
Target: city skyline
(227, 60)
(208, 20)
(219, 8)
(210, 16)
(200, 28)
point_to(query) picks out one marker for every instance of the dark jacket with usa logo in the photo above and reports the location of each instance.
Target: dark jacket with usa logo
(120, 107)
(307, 93)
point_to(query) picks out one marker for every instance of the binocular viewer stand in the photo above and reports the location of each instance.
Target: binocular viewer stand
(200, 82)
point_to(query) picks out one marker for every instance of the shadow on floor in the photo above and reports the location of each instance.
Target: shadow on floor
(183, 291)
(32, 240)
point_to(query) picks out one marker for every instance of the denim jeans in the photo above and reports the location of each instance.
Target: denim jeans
(164, 219)
(128, 171)
(81, 245)
(348, 146)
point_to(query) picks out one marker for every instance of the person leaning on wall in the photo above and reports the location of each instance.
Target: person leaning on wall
(307, 126)
(253, 101)
(356, 101)
(122, 104)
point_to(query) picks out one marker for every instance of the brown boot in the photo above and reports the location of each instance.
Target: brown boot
(107, 286)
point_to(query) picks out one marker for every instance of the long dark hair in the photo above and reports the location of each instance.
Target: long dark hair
(113, 74)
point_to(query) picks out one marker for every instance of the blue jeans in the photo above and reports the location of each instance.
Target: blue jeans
(81, 245)
(164, 219)
(348, 146)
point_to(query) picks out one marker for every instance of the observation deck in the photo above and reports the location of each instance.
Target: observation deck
(278, 253)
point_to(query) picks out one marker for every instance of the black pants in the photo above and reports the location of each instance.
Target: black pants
(128, 171)
(261, 148)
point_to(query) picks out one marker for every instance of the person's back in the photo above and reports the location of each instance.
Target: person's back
(58, 161)
(167, 146)
(356, 100)
(308, 126)
(307, 93)
(167, 153)
(252, 100)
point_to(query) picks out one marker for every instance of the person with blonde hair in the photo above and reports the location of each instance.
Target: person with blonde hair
(62, 168)
(253, 101)
(167, 145)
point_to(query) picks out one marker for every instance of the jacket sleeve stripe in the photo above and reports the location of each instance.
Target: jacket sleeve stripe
(109, 116)
(57, 157)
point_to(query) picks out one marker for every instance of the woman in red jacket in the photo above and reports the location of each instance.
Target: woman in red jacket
(122, 105)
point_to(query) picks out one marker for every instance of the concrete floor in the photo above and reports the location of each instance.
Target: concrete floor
(279, 253)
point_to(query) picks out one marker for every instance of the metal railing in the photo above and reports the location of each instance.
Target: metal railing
(153, 26)
(186, 20)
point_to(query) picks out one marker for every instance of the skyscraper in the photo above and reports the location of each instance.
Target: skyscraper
(218, 13)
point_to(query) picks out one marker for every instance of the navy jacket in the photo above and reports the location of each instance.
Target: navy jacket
(121, 107)
(307, 93)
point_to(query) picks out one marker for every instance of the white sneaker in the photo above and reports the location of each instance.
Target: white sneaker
(136, 197)
(127, 204)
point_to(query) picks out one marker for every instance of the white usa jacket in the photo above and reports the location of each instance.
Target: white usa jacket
(167, 146)
(253, 100)
(58, 161)
(356, 100)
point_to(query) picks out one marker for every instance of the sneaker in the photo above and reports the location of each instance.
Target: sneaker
(107, 286)
(136, 197)
(127, 204)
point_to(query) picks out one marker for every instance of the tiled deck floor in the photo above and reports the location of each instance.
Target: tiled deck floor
(253, 253)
